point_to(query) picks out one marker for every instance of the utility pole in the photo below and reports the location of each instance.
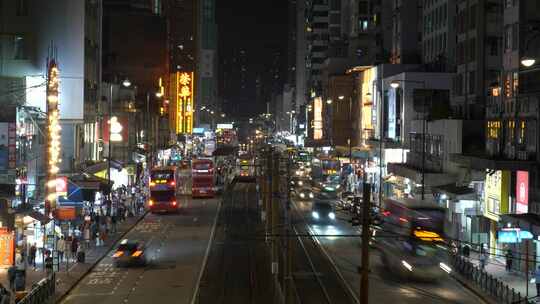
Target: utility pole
(366, 212)
(288, 274)
(268, 193)
(275, 218)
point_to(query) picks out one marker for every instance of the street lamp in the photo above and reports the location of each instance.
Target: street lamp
(159, 94)
(329, 101)
(222, 114)
(528, 61)
(394, 84)
(341, 97)
(126, 83)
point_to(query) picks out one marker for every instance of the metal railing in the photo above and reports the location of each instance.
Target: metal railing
(42, 292)
(488, 283)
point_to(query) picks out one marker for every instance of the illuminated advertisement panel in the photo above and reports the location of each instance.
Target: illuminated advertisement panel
(317, 118)
(184, 102)
(522, 192)
(496, 188)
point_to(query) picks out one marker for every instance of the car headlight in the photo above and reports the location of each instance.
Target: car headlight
(315, 214)
(311, 195)
(338, 186)
(300, 183)
(298, 172)
(332, 215)
(302, 195)
(292, 182)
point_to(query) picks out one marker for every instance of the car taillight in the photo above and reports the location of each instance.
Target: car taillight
(172, 183)
(150, 203)
(137, 253)
(173, 203)
(118, 254)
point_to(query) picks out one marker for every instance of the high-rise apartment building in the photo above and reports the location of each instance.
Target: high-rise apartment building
(438, 34)
(477, 56)
(406, 32)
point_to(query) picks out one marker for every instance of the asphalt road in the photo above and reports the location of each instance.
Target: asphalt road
(384, 286)
(176, 249)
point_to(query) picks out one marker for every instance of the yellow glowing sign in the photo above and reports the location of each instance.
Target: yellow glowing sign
(184, 102)
(496, 191)
(427, 235)
(317, 118)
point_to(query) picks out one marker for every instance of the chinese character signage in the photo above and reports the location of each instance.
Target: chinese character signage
(522, 192)
(184, 102)
(496, 190)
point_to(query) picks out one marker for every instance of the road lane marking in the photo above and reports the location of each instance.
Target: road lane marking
(206, 254)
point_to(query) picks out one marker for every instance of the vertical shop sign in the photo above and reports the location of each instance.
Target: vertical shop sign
(317, 119)
(522, 192)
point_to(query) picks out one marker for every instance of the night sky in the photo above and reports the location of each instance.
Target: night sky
(259, 27)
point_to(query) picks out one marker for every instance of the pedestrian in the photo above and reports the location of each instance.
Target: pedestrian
(74, 247)
(32, 255)
(482, 259)
(86, 236)
(537, 281)
(48, 262)
(60, 246)
(466, 251)
(11, 272)
(113, 223)
(509, 259)
(4, 295)
(67, 248)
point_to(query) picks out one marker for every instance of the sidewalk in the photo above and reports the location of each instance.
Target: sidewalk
(67, 278)
(514, 279)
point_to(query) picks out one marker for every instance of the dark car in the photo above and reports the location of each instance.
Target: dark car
(129, 253)
(303, 193)
(322, 212)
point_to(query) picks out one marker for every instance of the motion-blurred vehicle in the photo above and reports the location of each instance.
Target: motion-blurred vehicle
(129, 253)
(411, 240)
(332, 183)
(163, 178)
(163, 201)
(301, 182)
(303, 193)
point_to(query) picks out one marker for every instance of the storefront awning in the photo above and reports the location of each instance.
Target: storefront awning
(38, 216)
(526, 221)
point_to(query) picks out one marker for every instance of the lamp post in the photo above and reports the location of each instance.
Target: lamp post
(349, 135)
(395, 84)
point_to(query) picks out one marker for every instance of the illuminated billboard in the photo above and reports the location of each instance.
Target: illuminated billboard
(496, 188)
(522, 192)
(317, 118)
(182, 110)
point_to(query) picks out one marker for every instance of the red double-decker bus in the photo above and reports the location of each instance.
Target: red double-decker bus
(202, 178)
(163, 190)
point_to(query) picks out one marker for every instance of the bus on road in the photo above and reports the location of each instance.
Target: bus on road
(202, 178)
(163, 189)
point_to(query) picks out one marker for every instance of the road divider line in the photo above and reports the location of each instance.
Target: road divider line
(206, 254)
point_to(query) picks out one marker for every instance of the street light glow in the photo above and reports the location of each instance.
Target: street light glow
(329, 101)
(528, 61)
(341, 97)
(126, 83)
(394, 84)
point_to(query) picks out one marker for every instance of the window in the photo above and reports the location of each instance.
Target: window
(363, 24)
(515, 82)
(515, 33)
(22, 8)
(522, 128)
(19, 48)
(493, 129)
(508, 37)
(363, 8)
(335, 18)
(508, 85)
(472, 49)
(511, 130)
(472, 17)
(335, 5)
(472, 82)
(493, 46)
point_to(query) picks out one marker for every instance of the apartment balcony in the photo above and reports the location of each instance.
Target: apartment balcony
(525, 161)
(414, 173)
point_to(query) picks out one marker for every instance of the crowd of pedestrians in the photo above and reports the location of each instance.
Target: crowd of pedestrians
(96, 225)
